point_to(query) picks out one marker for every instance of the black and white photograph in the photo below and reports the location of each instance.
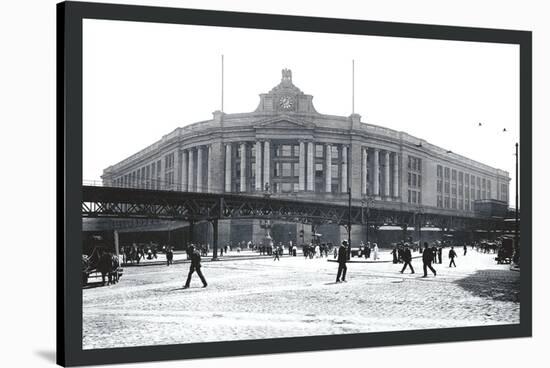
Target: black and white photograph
(243, 184)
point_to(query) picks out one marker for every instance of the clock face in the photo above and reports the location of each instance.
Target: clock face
(286, 102)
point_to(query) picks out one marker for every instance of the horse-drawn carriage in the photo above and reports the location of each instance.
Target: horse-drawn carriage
(101, 264)
(505, 252)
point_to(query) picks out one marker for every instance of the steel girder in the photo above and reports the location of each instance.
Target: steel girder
(110, 202)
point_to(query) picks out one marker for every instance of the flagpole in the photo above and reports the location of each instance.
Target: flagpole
(222, 85)
(353, 86)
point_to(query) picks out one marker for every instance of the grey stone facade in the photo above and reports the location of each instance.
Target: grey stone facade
(297, 152)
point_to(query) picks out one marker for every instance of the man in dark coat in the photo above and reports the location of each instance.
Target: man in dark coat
(440, 254)
(195, 266)
(452, 255)
(169, 255)
(342, 259)
(105, 265)
(427, 259)
(407, 258)
(465, 249)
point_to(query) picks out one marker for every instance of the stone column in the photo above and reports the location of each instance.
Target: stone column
(328, 165)
(364, 165)
(387, 174)
(258, 166)
(302, 168)
(243, 167)
(395, 175)
(191, 171)
(376, 173)
(228, 167)
(310, 182)
(184, 173)
(267, 167)
(200, 152)
(177, 171)
(209, 169)
(217, 166)
(344, 169)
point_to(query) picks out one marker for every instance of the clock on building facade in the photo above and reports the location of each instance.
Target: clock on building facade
(286, 103)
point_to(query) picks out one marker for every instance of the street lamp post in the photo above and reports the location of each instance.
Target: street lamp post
(349, 222)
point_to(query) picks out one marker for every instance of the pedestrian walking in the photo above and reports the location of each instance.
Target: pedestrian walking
(394, 254)
(407, 258)
(169, 256)
(195, 267)
(276, 255)
(342, 259)
(440, 254)
(104, 265)
(427, 259)
(452, 255)
(375, 252)
(465, 249)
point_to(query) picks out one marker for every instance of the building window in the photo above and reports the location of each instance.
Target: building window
(447, 173)
(169, 161)
(286, 187)
(334, 170)
(453, 176)
(287, 169)
(318, 170)
(334, 150)
(296, 169)
(504, 192)
(285, 150)
(447, 187)
(440, 201)
(319, 151)
(447, 202)
(439, 171)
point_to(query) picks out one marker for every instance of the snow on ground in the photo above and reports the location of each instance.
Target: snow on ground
(261, 298)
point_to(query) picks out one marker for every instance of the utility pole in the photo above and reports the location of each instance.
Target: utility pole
(516, 235)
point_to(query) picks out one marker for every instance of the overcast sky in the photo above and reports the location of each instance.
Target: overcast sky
(143, 80)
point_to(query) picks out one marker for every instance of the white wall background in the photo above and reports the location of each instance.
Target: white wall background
(27, 115)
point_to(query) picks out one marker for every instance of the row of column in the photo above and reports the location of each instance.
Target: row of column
(306, 178)
(191, 179)
(394, 177)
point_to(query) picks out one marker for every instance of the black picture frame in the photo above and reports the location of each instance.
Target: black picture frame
(69, 155)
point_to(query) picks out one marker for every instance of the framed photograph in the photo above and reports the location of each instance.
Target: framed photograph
(239, 183)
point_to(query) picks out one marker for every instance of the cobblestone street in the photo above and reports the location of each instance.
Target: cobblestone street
(262, 298)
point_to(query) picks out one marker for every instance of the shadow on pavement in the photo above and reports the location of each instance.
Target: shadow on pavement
(499, 285)
(93, 285)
